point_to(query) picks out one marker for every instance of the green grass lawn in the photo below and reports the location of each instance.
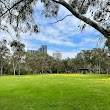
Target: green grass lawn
(55, 92)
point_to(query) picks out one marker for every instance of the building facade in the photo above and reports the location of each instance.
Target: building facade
(42, 49)
(57, 55)
(31, 51)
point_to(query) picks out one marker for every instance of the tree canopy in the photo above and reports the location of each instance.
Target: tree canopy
(21, 62)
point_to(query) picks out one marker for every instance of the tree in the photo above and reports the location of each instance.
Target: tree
(99, 59)
(39, 63)
(16, 12)
(4, 51)
(50, 64)
(86, 56)
(95, 60)
(76, 63)
(17, 55)
(59, 66)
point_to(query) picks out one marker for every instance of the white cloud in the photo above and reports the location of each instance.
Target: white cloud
(65, 34)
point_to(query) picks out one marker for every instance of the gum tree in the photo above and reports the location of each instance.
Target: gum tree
(17, 55)
(4, 51)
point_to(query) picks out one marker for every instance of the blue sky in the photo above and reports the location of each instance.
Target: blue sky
(65, 36)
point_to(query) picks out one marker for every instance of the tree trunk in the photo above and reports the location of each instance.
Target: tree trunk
(1, 67)
(19, 70)
(42, 70)
(14, 68)
(107, 71)
(1, 71)
(99, 67)
(50, 70)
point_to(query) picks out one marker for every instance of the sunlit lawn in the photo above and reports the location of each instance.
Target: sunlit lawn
(55, 92)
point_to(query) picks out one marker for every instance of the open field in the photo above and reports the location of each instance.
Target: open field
(55, 92)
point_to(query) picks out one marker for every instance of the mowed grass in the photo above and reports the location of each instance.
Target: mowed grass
(55, 92)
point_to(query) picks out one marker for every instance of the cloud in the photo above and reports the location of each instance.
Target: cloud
(64, 36)
(65, 31)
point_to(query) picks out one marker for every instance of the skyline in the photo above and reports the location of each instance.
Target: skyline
(44, 49)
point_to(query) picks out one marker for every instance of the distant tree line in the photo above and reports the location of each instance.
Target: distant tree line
(15, 60)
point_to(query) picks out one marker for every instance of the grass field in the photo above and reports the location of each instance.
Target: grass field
(55, 92)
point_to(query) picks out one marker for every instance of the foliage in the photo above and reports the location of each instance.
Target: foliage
(19, 62)
(23, 72)
(4, 51)
(95, 60)
(18, 13)
(18, 55)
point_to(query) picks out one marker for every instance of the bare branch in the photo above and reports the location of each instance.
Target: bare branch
(61, 19)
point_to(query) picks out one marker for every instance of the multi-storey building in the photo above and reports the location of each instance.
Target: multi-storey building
(31, 51)
(42, 49)
(57, 55)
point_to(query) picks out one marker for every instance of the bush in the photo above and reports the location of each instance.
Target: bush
(23, 72)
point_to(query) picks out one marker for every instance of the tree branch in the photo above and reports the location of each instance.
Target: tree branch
(61, 19)
(11, 8)
(3, 4)
(82, 4)
(105, 32)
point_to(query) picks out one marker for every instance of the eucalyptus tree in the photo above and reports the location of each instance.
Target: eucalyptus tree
(96, 60)
(59, 66)
(66, 66)
(87, 58)
(42, 59)
(99, 59)
(39, 63)
(71, 65)
(51, 62)
(4, 52)
(18, 54)
(19, 14)
(31, 63)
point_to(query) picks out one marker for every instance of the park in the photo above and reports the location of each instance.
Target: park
(76, 76)
(55, 92)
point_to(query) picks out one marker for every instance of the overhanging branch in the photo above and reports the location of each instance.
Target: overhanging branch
(105, 32)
